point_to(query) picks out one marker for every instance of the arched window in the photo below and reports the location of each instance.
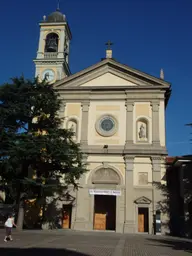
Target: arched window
(142, 129)
(51, 42)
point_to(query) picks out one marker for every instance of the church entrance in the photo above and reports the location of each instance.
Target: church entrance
(67, 211)
(105, 212)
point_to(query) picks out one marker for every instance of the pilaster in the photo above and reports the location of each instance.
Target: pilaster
(129, 123)
(156, 178)
(155, 123)
(61, 44)
(41, 45)
(84, 123)
(82, 220)
(129, 225)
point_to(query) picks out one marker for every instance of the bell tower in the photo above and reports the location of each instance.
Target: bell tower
(52, 60)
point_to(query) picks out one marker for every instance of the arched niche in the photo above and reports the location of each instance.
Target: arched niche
(72, 124)
(51, 42)
(142, 128)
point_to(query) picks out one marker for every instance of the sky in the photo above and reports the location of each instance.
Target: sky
(147, 34)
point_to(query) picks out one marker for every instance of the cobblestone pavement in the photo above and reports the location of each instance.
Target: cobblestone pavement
(72, 243)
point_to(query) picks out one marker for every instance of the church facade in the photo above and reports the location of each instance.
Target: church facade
(118, 116)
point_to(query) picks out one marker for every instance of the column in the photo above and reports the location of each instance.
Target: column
(129, 123)
(61, 43)
(129, 226)
(155, 123)
(84, 123)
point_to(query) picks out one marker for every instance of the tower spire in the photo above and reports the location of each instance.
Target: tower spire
(162, 74)
(58, 5)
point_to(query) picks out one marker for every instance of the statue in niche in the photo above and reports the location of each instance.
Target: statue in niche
(142, 131)
(72, 125)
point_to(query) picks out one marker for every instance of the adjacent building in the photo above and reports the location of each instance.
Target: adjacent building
(179, 195)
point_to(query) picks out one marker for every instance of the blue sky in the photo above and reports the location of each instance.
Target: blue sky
(147, 35)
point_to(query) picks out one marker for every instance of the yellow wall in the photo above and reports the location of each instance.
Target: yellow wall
(114, 108)
(142, 164)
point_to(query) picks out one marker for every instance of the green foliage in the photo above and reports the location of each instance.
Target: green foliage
(33, 142)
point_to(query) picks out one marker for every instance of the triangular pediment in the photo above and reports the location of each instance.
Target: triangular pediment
(142, 200)
(109, 79)
(109, 73)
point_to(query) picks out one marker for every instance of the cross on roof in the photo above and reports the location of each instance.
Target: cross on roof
(109, 44)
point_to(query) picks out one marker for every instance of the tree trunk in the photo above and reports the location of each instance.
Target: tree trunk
(20, 216)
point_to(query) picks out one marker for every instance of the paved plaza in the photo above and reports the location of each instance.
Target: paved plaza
(72, 243)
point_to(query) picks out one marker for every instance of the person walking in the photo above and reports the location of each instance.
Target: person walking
(8, 228)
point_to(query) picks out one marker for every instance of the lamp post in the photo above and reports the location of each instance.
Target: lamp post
(153, 209)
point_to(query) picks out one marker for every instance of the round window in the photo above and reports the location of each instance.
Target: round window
(106, 125)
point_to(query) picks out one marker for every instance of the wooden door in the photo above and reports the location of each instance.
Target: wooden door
(141, 220)
(66, 218)
(100, 221)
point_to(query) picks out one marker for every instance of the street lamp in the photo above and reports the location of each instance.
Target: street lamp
(153, 208)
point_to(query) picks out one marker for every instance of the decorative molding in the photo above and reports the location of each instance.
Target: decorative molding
(106, 176)
(129, 106)
(129, 162)
(110, 167)
(85, 106)
(105, 165)
(156, 158)
(155, 106)
(143, 200)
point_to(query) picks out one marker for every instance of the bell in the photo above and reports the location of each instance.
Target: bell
(51, 45)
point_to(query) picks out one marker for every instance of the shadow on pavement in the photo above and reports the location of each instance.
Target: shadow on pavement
(39, 252)
(174, 244)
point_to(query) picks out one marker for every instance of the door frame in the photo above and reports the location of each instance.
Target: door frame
(106, 216)
(150, 217)
(69, 206)
(120, 202)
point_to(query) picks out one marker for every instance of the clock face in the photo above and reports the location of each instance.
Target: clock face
(48, 74)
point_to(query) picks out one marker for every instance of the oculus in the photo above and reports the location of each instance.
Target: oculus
(106, 125)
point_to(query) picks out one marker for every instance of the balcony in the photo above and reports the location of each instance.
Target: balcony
(50, 55)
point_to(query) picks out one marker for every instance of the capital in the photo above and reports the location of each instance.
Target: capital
(129, 105)
(155, 106)
(62, 106)
(129, 162)
(85, 106)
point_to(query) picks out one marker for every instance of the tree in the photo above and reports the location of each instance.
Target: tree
(35, 152)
